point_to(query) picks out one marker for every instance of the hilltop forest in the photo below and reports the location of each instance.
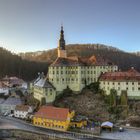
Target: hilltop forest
(27, 65)
(123, 59)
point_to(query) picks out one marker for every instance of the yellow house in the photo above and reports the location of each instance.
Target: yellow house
(53, 118)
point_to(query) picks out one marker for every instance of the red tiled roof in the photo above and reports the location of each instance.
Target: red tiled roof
(53, 113)
(77, 61)
(131, 74)
(2, 85)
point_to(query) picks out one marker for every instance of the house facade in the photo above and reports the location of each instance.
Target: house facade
(9, 105)
(3, 89)
(75, 72)
(53, 118)
(21, 111)
(128, 80)
(43, 90)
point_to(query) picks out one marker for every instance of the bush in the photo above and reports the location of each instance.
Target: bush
(66, 93)
(94, 87)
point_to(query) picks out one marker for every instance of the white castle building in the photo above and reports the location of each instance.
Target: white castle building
(75, 72)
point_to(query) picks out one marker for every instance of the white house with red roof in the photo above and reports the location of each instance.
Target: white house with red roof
(127, 80)
(22, 111)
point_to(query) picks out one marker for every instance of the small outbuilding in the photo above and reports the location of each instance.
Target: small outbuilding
(78, 121)
(107, 125)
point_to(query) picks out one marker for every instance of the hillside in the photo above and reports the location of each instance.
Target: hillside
(13, 65)
(87, 103)
(123, 59)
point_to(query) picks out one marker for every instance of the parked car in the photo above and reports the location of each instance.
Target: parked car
(121, 129)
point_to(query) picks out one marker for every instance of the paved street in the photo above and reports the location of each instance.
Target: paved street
(128, 134)
(13, 123)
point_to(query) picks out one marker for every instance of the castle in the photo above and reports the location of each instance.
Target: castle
(75, 72)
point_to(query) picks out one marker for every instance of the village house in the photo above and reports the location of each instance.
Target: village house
(22, 111)
(9, 105)
(128, 80)
(3, 89)
(12, 82)
(53, 118)
(75, 72)
(43, 90)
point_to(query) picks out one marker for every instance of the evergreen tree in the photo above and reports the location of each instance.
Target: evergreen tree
(123, 98)
(113, 97)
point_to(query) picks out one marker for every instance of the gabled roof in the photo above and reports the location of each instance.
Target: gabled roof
(13, 101)
(66, 62)
(79, 61)
(12, 80)
(44, 83)
(131, 74)
(53, 113)
(22, 108)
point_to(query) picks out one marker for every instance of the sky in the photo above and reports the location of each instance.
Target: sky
(32, 25)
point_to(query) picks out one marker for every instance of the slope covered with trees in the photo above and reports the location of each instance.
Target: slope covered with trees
(13, 65)
(123, 59)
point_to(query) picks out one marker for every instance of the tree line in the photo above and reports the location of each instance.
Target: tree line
(13, 65)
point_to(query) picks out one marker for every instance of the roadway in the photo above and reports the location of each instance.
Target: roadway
(13, 123)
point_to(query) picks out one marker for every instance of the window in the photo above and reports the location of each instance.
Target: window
(132, 83)
(138, 88)
(127, 83)
(118, 83)
(133, 88)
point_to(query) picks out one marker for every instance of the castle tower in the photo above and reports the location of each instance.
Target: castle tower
(61, 46)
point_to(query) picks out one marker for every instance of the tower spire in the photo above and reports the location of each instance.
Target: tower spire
(62, 40)
(61, 45)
